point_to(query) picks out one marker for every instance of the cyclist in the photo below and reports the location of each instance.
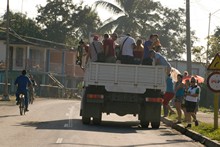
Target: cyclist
(34, 84)
(22, 82)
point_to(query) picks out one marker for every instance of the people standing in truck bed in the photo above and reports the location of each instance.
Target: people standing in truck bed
(156, 44)
(160, 60)
(148, 45)
(138, 52)
(127, 46)
(109, 47)
(94, 48)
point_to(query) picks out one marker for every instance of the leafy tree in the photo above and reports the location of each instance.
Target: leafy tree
(63, 21)
(144, 17)
(214, 43)
(214, 46)
(217, 32)
(86, 20)
(198, 54)
(54, 18)
(21, 25)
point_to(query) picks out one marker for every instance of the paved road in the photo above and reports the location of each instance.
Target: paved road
(53, 122)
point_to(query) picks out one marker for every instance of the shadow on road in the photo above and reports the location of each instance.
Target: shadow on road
(173, 142)
(8, 116)
(76, 124)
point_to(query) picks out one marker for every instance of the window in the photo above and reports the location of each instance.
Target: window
(19, 57)
(36, 59)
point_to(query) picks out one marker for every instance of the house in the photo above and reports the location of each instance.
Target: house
(40, 58)
(197, 67)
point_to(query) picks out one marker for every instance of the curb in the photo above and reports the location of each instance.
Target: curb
(194, 135)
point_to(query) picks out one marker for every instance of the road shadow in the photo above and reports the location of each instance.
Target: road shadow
(169, 142)
(3, 116)
(9, 103)
(76, 124)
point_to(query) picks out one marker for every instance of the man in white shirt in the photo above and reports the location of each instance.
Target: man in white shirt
(127, 46)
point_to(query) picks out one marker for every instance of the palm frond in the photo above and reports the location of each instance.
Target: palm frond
(113, 8)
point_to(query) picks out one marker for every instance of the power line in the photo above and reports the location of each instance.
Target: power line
(21, 37)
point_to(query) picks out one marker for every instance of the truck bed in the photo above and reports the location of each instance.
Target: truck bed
(125, 78)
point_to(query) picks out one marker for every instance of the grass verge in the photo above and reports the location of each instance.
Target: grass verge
(205, 110)
(205, 129)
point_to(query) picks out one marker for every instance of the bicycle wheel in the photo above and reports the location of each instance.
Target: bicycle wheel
(31, 99)
(24, 109)
(21, 106)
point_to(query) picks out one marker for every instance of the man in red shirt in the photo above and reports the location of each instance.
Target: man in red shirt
(109, 47)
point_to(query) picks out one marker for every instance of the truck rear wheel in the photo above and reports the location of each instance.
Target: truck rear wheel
(144, 124)
(97, 120)
(155, 125)
(85, 120)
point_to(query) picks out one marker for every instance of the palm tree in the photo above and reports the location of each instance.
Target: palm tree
(133, 16)
(141, 18)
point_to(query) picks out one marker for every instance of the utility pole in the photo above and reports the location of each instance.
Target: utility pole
(188, 38)
(207, 50)
(207, 54)
(5, 95)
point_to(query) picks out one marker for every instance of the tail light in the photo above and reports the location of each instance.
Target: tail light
(95, 96)
(155, 100)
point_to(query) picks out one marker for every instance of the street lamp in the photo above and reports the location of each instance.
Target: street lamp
(210, 14)
(5, 95)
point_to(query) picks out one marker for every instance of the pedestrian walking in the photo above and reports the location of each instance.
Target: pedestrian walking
(179, 94)
(191, 102)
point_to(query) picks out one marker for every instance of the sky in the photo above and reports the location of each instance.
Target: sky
(199, 12)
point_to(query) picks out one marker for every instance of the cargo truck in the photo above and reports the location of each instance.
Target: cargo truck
(123, 89)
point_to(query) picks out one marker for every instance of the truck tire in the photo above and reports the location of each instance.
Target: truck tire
(97, 120)
(85, 120)
(155, 125)
(144, 124)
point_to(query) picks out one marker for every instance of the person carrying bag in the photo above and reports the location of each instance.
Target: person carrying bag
(119, 56)
(95, 52)
(100, 55)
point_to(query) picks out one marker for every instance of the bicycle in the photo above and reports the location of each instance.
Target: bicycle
(22, 107)
(31, 96)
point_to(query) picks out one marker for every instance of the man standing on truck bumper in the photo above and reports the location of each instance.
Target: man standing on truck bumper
(169, 94)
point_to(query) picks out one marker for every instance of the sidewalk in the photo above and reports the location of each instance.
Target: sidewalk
(207, 117)
(201, 117)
